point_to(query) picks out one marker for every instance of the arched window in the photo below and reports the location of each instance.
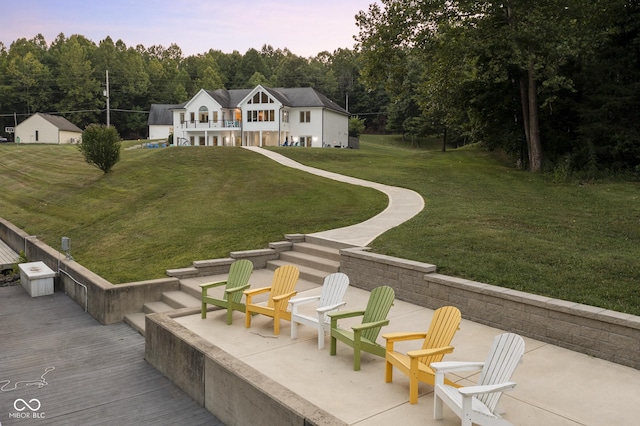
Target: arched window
(203, 114)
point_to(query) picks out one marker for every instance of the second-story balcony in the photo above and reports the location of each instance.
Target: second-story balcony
(207, 125)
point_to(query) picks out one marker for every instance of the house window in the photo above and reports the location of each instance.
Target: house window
(260, 98)
(181, 117)
(215, 116)
(262, 115)
(203, 114)
(285, 116)
(192, 117)
(305, 116)
(37, 136)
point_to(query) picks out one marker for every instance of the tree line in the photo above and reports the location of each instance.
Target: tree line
(68, 77)
(553, 83)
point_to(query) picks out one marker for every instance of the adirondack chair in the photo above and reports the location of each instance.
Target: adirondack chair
(362, 337)
(416, 363)
(477, 404)
(236, 283)
(330, 299)
(281, 290)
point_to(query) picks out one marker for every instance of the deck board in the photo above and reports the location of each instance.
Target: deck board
(100, 374)
(8, 257)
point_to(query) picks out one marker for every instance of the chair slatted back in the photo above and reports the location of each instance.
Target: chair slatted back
(378, 307)
(239, 274)
(444, 324)
(333, 290)
(505, 355)
(284, 281)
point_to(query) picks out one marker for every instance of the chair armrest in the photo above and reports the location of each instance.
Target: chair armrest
(368, 325)
(330, 307)
(211, 285)
(402, 335)
(254, 291)
(452, 366)
(419, 353)
(476, 390)
(248, 294)
(284, 296)
(346, 314)
(237, 289)
(304, 300)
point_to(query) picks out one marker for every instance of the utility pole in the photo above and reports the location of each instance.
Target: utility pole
(106, 93)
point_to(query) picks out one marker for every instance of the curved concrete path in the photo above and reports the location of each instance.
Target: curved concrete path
(403, 204)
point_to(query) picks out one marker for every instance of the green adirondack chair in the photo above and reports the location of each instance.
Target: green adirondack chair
(362, 337)
(236, 283)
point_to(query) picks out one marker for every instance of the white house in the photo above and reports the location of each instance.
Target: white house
(46, 128)
(260, 117)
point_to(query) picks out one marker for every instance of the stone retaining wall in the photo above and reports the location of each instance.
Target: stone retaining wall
(598, 332)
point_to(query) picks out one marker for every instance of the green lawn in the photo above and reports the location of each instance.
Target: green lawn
(164, 208)
(483, 220)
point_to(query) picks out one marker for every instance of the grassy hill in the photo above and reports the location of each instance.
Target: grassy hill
(164, 208)
(483, 220)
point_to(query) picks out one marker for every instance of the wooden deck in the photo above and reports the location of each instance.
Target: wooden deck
(79, 371)
(7, 256)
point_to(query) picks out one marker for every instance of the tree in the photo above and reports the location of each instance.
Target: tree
(75, 79)
(100, 146)
(528, 43)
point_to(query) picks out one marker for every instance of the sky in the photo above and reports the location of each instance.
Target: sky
(305, 27)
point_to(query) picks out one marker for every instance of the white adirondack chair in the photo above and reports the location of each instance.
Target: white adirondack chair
(478, 404)
(330, 299)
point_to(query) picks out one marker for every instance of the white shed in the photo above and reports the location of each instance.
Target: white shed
(46, 128)
(161, 120)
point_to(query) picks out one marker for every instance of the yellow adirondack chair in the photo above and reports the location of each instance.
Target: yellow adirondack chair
(236, 283)
(362, 337)
(416, 364)
(281, 290)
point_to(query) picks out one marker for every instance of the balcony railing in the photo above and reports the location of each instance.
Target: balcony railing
(210, 124)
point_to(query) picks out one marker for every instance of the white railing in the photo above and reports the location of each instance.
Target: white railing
(210, 124)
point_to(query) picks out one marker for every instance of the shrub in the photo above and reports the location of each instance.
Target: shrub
(100, 146)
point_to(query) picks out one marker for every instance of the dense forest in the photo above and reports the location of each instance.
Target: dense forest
(69, 77)
(553, 83)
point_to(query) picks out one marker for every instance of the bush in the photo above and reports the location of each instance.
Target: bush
(100, 146)
(356, 126)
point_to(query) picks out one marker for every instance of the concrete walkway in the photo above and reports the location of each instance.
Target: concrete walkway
(403, 204)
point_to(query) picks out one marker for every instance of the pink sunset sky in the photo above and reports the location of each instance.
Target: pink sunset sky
(305, 27)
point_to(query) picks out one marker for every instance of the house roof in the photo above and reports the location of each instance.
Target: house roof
(60, 122)
(296, 97)
(161, 115)
(229, 98)
(304, 97)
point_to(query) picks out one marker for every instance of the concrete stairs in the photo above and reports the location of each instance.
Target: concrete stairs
(315, 261)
